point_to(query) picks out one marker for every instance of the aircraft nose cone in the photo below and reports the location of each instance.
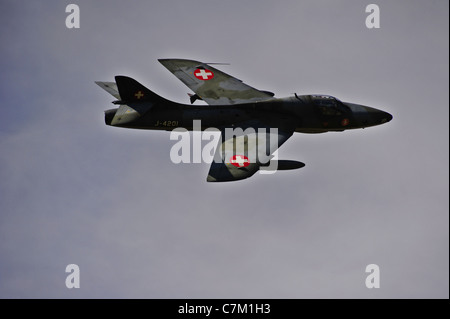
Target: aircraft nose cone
(384, 117)
(377, 116)
(367, 116)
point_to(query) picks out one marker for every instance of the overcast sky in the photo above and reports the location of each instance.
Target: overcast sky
(75, 191)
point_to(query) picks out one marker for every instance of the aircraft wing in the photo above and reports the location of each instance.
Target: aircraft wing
(243, 150)
(211, 85)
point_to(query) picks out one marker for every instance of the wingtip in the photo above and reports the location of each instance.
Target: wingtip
(175, 60)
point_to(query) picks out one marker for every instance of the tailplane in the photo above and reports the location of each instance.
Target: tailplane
(109, 87)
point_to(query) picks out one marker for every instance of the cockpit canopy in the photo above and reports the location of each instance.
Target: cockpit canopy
(329, 105)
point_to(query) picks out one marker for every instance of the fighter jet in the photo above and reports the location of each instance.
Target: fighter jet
(258, 121)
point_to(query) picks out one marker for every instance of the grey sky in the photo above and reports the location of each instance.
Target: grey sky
(73, 190)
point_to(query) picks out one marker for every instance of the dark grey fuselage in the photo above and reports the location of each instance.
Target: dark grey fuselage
(305, 114)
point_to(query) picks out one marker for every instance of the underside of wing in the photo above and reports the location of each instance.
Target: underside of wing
(242, 151)
(211, 85)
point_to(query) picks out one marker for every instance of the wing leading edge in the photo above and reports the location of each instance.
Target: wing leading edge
(213, 86)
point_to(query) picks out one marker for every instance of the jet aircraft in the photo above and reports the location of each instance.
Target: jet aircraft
(233, 104)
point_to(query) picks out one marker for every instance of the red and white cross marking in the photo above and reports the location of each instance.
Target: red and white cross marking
(240, 161)
(203, 74)
(138, 95)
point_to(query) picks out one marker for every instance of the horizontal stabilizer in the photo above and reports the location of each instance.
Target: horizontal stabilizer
(124, 115)
(109, 87)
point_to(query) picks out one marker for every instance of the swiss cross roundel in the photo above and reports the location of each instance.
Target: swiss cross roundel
(240, 161)
(203, 74)
(345, 122)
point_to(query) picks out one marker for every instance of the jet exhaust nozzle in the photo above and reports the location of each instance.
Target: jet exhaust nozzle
(109, 115)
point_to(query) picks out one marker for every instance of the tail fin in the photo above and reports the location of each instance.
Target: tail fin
(134, 99)
(131, 91)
